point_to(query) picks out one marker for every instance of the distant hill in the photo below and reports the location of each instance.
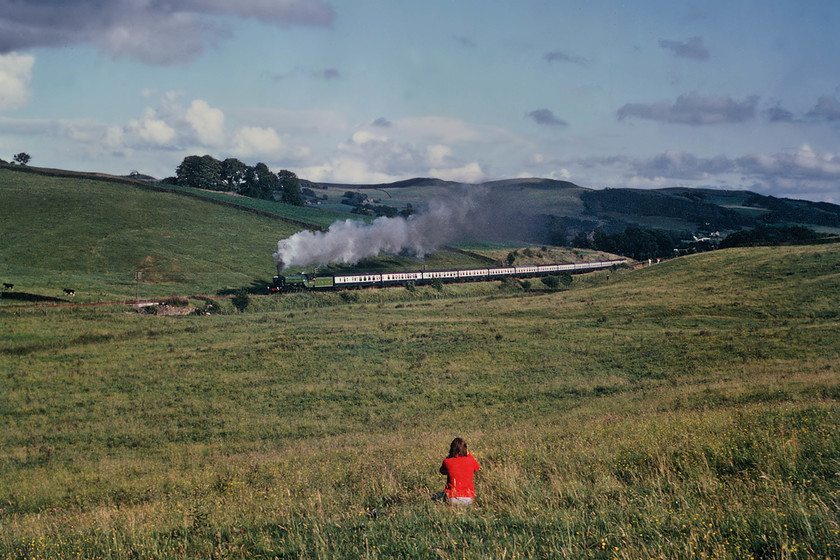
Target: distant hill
(561, 209)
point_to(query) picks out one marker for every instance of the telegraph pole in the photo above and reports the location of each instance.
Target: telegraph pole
(137, 276)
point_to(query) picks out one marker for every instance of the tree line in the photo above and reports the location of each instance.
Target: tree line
(637, 243)
(231, 175)
(764, 236)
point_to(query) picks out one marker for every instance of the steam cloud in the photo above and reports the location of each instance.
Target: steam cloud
(350, 241)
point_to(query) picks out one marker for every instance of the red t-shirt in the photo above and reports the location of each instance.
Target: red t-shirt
(459, 476)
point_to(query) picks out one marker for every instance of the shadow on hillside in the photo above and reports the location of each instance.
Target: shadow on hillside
(24, 296)
(257, 287)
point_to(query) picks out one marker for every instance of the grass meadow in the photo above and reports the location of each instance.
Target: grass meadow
(684, 410)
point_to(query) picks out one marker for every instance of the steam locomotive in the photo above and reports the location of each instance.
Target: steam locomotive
(299, 282)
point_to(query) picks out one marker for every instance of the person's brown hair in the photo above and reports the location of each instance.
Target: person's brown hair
(458, 448)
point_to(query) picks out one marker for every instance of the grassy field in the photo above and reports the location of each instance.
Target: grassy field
(684, 410)
(92, 236)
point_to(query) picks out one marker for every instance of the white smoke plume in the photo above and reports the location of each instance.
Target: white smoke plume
(349, 241)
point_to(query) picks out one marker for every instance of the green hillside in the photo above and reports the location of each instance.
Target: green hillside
(94, 235)
(683, 410)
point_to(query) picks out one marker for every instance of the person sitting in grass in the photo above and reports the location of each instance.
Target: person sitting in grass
(459, 468)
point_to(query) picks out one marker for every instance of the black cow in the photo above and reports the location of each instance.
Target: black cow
(69, 292)
(7, 286)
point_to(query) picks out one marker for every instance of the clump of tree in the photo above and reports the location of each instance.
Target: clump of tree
(556, 281)
(634, 242)
(22, 158)
(366, 206)
(241, 300)
(763, 236)
(231, 175)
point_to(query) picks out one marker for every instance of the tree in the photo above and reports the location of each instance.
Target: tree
(233, 174)
(291, 188)
(551, 282)
(200, 172)
(22, 158)
(260, 182)
(241, 300)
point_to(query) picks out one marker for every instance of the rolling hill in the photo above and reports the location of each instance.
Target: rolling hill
(571, 209)
(94, 233)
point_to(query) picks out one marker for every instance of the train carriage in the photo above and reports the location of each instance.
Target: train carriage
(497, 272)
(440, 274)
(401, 277)
(472, 273)
(526, 270)
(357, 280)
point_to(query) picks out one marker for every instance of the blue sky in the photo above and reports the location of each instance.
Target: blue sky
(724, 94)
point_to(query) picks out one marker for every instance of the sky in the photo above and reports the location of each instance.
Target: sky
(724, 94)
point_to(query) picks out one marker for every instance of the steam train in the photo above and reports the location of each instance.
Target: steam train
(300, 282)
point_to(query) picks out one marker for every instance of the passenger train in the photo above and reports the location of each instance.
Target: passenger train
(299, 282)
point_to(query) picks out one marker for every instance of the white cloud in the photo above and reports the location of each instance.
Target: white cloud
(152, 130)
(259, 142)
(208, 122)
(470, 173)
(347, 170)
(252, 141)
(15, 75)
(438, 154)
(365, 136)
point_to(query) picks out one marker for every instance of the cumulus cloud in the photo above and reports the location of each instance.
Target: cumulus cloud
(15, 75)
(693, 109)
(438, 154)
(693, 48)
(208, 122)
(826, 109)
(151, 31)
(547, 117)
(152, 130)
(259, 142)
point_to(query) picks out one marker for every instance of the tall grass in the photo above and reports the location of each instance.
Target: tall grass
(683, 410)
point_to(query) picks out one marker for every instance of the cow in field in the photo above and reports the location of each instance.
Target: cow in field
(7, 286)
(69, 292)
